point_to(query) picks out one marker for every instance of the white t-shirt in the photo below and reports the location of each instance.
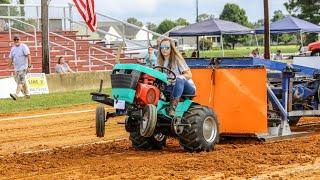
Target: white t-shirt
(178, 68)
(19, 55)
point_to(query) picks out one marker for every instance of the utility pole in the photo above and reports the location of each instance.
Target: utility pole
(197, 20)
(197, 11)
(266, 30)
(45, 36)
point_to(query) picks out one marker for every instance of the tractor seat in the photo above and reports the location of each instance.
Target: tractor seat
(186, 96)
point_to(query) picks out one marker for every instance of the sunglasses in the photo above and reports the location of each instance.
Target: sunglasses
(16, 39)
(165, 47)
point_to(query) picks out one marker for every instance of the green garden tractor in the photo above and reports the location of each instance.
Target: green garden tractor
(140, 93)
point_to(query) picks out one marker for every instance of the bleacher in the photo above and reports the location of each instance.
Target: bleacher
(63, 44)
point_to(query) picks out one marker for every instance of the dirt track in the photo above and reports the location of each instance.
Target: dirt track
(52, 147)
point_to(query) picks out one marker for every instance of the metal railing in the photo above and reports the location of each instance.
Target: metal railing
(37, 16)
(91, 56)
(74, 50)
(107, 33)
(34, 35)
(134, 26)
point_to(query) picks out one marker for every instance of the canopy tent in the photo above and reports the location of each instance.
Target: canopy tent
(212, 27)
(291, 24)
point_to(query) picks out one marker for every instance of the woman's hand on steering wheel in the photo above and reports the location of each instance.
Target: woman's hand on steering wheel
(168, 71)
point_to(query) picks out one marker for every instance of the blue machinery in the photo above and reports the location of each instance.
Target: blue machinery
(293, 91)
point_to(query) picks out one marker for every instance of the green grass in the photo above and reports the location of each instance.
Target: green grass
(245, 51)
(46, 101)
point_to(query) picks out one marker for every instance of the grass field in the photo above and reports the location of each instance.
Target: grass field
(45, 101)
(245, 51)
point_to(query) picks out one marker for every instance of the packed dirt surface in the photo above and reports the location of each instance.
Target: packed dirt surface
(63, 145)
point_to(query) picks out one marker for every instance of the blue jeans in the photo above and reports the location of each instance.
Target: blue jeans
(181, 87)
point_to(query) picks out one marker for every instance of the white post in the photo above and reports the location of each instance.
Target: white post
(64, 19)
(221, 41)
(90, 58)
(38, 18)
(257, 43)
(70, 16)
(301, 39)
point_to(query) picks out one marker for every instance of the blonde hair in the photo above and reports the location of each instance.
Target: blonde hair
(175, 56)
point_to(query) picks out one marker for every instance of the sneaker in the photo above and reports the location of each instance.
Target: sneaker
(13, 96)
(27, 96)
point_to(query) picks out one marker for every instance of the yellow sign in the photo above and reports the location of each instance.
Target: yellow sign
(37, 83)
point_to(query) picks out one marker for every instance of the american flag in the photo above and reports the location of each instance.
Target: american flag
(86, 10)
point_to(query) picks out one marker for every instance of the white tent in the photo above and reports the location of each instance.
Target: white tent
(112, 35)
(143, 35)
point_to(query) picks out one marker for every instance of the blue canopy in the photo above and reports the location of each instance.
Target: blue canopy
(211, 27)
(290, 24)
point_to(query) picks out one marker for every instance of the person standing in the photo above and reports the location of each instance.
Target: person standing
(21, 59)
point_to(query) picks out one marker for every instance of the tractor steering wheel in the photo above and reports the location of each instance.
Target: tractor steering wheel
(166, 70)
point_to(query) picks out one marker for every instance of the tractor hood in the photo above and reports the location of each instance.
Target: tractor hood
(152, 72)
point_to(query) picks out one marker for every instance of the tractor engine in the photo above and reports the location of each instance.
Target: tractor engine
(147, 92)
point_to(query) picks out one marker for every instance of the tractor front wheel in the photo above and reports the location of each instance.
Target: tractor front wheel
(100, 121)
(203, 132)
(146, 143)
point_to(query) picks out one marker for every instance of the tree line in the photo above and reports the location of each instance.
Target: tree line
(303, 9)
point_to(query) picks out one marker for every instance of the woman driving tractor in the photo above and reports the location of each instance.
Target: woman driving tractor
(170, 58)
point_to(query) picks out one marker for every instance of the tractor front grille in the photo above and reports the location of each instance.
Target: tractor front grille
(125, 79)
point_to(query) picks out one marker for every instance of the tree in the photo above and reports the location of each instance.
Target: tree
(4, 10)
(205, 16)
(134, 21)
(152, 26)
(258, 24)
(286, 38)
(307, 10)
(277, 15)
(182, 22)
(21, 2)
(232, 12)
(165, 26)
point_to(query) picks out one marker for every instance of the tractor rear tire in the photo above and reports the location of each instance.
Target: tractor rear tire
(203, 132)
(100, 121)
(146, 143)
(293, 120)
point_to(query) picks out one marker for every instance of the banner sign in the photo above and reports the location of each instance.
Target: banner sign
(8, 85)
(36, 82)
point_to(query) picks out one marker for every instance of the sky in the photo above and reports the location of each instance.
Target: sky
(157, 10)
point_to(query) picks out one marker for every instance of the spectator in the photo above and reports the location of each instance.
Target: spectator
(255, 53)
(194, 54)
(21, 59)
(278, 55)
(150, 59)
(183, 54)
(62, 67)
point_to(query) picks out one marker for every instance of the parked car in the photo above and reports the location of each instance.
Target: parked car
(186, 47)
(314, 48)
